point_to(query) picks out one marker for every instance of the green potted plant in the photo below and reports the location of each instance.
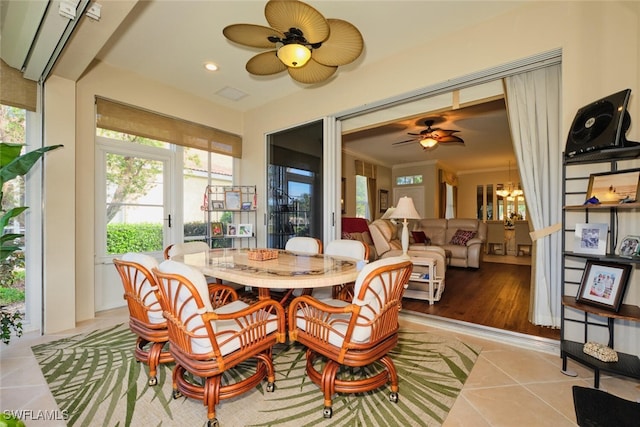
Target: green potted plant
(12, 165)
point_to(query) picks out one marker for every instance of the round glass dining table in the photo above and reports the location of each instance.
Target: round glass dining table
(289, 270)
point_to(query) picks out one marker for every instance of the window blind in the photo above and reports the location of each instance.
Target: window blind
(148, 124)
(365, 169)
(15, 90)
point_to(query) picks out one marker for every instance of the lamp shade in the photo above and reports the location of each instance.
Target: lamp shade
(387, 213)
(294, 55)
(405, 209)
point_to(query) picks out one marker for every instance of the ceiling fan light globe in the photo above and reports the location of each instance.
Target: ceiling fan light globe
(294, 55)
(428, 142)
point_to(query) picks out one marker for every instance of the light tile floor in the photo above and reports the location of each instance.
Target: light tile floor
(510, 385)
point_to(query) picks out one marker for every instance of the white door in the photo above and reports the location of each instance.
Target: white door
(132, 187)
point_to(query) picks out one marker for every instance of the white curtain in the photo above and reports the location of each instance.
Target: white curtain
(533, 105)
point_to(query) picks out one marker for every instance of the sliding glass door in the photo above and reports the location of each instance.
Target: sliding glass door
(295, 183)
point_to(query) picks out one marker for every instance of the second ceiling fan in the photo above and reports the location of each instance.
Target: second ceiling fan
(431, 137)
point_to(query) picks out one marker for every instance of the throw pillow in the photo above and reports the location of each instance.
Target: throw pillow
(462, 237)
(347, 236)
(420, 237)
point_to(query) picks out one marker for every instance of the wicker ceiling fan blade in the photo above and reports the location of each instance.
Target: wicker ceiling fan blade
(450, 139)
(286, 14)
(312, 72)
(404, 142)
(343, 46)
(251, 35)
(264, 64)
(443, 132)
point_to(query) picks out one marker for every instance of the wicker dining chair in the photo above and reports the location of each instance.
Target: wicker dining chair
(206, 342)
(353, 250)
(189, 248)
(356, 334)
(304, 245)
(185, 248)
(145, 314)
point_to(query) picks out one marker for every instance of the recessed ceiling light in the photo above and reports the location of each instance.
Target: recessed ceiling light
(210, 66)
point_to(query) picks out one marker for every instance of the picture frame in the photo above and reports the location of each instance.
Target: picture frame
(615, 187)
(232, 199)
(630, 247)
(590, 239)
(217, 229)
(246, 206)
(232, 230)
(384, 200)
(215, 205)
(245, 230)
(603, 284)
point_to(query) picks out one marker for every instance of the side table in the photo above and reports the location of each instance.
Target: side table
(424, 283)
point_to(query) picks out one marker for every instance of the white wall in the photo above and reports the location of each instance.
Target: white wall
(59, 215)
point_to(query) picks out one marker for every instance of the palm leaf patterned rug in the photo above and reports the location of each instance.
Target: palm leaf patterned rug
(95, 378)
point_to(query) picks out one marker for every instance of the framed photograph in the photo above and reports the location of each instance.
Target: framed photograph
(630, 246)
(245, 230)
(217, 229)
(590, 239)
(232, 199)
(246, 206)
(232, 229)
(603, 284)
(614, 187)
(384, 201)
(216, 205)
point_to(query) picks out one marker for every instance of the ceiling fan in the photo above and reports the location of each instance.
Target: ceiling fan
(430, 137)
(303, 42)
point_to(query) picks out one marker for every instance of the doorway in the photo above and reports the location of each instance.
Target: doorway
(295, 162)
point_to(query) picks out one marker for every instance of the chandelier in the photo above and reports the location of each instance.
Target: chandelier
(510, 191)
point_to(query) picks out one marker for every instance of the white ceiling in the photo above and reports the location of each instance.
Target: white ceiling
(169, 40)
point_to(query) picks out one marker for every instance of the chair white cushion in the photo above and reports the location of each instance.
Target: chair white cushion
(354, 249)
(188, 248)
(371, 305)
(225, 328)
(148, 262)
(201, 344)
(302, 245)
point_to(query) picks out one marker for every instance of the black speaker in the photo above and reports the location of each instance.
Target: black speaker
(600, 126)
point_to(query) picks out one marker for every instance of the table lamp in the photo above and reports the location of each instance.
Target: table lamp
(387, 214)
(405, 210)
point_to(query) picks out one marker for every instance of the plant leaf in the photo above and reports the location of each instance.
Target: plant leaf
(8, 152)
(9, 238)
(20, 165)
(4, 219)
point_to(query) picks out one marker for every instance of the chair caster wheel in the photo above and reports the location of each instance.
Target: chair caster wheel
(153, 381)
(271, 387)
(393, 397)
(212, 423)
(176, 394)
(327, 412)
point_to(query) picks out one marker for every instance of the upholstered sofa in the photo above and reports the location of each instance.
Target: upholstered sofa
(462, 238)
(463, 248)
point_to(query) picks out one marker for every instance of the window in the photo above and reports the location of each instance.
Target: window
(362, 197)
(408, 180)
(142, 211)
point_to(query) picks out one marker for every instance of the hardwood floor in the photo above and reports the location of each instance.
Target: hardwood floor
(495, 295)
